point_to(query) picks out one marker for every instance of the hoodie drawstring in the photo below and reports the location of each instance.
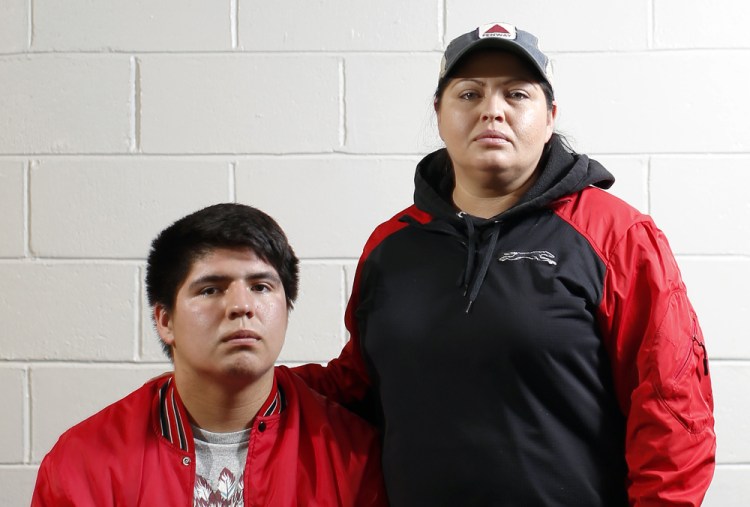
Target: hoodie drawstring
(489, 254)
(472, 250)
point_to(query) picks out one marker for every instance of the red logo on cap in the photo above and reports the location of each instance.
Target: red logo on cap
(497, 29)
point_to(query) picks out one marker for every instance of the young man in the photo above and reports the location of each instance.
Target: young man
(226, 428)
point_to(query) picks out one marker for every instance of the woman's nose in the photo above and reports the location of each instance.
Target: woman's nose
(493, 109)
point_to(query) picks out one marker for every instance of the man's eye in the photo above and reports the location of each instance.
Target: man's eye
(261, 287)
(209, 291)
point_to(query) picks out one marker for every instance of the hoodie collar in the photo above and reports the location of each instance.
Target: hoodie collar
(562, 173)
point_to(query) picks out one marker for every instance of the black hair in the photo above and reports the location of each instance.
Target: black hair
(228, 225)
(549, 94)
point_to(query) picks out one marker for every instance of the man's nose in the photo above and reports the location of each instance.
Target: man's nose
(239, 301)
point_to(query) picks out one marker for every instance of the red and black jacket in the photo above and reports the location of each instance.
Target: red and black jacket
(547, 356)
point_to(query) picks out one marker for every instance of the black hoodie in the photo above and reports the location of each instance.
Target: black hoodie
(493, 381)
(523, 360)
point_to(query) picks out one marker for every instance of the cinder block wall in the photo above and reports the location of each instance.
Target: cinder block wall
(117, 117)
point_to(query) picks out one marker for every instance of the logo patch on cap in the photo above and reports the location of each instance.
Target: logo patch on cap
(497, 30)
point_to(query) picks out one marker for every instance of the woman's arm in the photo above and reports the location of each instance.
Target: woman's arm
(344, 379)
(661, 372)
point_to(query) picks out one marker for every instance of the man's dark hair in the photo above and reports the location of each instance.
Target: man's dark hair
(229, 225)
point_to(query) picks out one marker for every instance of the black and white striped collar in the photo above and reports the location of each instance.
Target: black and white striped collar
(173, 419)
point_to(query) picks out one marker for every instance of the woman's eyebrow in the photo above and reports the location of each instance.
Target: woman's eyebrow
(472, 79)
(505, 81)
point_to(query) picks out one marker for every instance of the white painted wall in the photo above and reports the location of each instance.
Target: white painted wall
(117, 117)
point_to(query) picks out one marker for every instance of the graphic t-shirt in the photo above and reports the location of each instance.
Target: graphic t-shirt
(220, 462)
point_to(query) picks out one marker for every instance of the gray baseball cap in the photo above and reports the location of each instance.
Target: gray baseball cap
(501, 36)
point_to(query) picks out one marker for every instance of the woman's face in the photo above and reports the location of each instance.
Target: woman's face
(494, 120)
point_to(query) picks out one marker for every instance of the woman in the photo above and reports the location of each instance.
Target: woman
(526, 336)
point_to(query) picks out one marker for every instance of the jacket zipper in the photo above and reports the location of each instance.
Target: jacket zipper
(694, 340)
(701, 345)
(705, 355)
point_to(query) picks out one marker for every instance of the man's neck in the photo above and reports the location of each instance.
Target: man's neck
(222, 407)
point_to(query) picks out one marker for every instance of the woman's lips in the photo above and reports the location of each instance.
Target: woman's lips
(492, 137)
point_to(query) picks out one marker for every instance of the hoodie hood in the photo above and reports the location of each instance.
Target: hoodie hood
(562, 173)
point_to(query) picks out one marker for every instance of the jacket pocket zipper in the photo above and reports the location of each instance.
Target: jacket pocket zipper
(705, 355)
(694, 340)
(701, 345)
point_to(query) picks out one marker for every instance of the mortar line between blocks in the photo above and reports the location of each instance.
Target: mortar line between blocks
(27, 415)
(27, 209)
(342, 103)
(234, 23)
(442, 21)
(651, 35)
(136, 102)
(138, 315)
(131, 106)
(233, 181)
(30, 27)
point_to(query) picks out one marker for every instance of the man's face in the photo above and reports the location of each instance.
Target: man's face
(229, 318)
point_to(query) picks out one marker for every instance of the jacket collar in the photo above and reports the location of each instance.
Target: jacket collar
(172, 418)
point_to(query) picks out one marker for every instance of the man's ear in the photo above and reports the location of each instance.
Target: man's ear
(163, 320)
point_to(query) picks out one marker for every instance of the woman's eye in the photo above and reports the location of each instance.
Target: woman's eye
(469, 95)
(518, 95)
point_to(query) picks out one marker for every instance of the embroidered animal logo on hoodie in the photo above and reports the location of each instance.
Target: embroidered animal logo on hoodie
(536, 255)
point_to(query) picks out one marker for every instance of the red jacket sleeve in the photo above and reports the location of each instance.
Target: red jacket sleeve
(343, 380)
(46, 490)
(660, 369)
(346, 379)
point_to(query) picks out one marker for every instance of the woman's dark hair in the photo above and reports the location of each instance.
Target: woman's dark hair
(549, 94)
(229, 225)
